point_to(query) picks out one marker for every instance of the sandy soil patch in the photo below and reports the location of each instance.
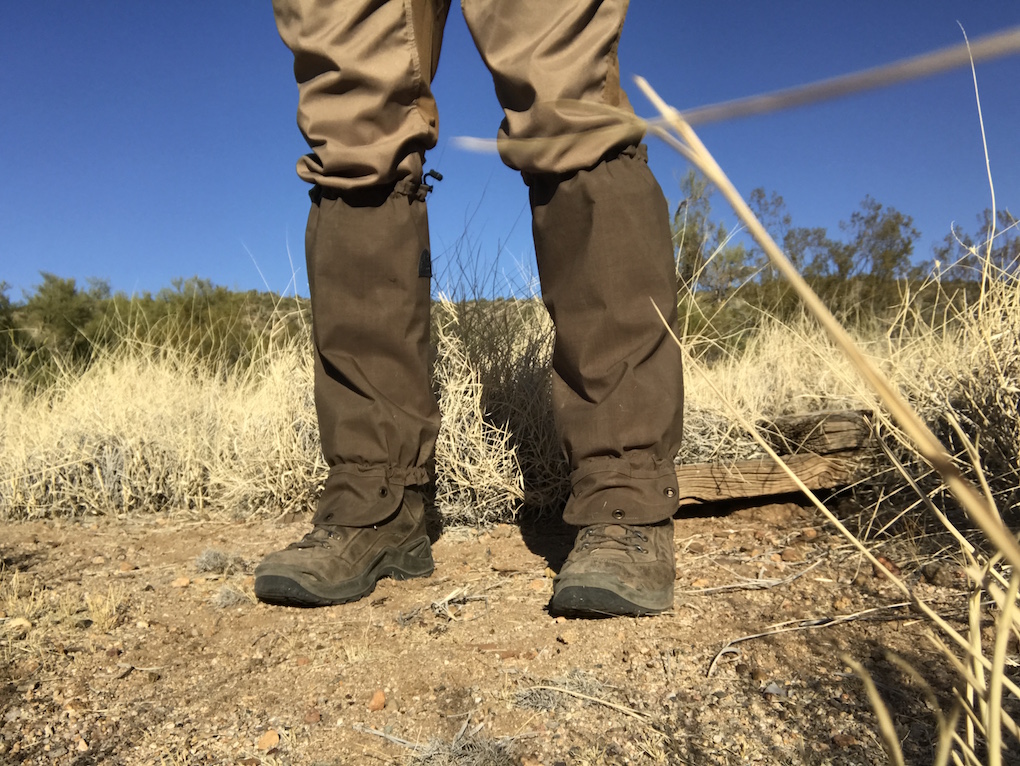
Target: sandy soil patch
(139, 642)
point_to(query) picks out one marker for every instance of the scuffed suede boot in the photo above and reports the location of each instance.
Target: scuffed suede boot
(335, 564)
(617, 570)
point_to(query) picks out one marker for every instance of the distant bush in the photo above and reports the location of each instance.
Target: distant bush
(62, 327)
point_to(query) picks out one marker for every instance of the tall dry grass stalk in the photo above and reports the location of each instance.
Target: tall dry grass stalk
(993, 568)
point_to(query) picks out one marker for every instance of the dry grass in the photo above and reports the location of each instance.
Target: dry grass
(144, 433)
(105, 608)
(783, 368)
(470, 749)
(962, 371)
(986, 335)
(31, 615)
(478, 478)
(159, 433)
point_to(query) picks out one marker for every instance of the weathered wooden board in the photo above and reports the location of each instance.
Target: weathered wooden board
(820, 433)
(824, 449)
(712, 482)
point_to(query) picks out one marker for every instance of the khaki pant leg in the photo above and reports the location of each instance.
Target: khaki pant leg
(551, 62)
(364, 69)
(604, 249)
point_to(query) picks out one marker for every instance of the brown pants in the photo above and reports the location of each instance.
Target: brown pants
(602, 239)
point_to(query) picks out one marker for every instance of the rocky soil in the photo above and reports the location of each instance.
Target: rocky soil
(139, 642)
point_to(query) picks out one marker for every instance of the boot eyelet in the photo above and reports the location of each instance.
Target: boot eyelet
(384, 492)
(584, 546)
(639, 549)
(618, 514)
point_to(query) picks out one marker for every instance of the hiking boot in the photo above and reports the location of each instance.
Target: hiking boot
(335, 564)
(617, 570)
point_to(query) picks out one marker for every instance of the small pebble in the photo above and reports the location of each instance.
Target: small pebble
(19, 626)
(378, 701)
(269, 740)
(938, 574)
(792, 555)
(843, 740)
(884, 568)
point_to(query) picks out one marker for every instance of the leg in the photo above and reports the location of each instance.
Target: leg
(368, 273)
(606, 262)
(363, 70)
(605, 258)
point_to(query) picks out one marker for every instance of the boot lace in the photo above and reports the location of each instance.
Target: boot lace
(613, 536)
(319, 537)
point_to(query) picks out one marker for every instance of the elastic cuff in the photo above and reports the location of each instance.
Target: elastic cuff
(608, 490)
(638, 151)
(371, 196)
(363, 495)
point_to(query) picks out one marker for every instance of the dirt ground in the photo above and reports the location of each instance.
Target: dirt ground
(139, 642)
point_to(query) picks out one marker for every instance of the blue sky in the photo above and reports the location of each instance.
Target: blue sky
(145, 141)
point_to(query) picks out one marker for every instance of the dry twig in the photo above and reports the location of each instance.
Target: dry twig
(752, 584)
(792, 626)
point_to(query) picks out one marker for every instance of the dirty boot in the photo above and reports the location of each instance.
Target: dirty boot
(617, 570)
(335, 564)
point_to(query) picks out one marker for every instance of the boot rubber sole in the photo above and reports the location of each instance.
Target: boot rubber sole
(595, 597)
(285, 588)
